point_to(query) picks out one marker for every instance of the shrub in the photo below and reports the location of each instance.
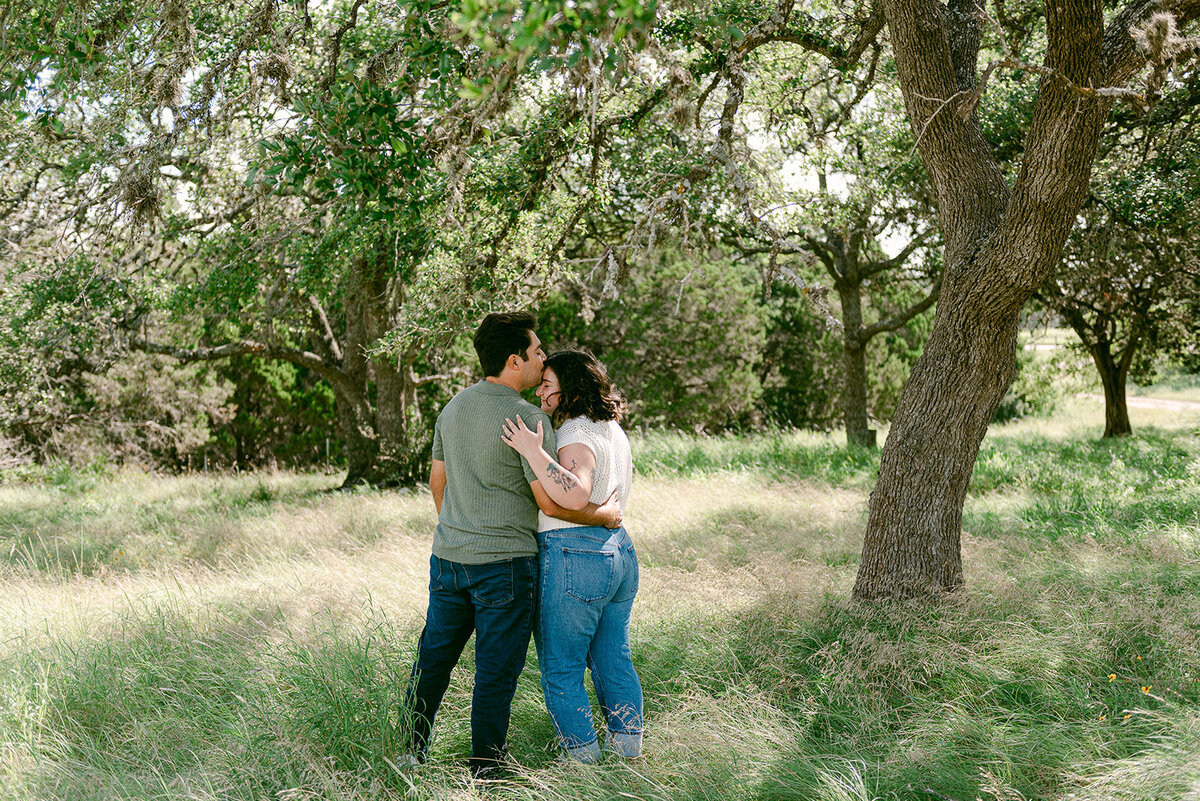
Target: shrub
(682, 343)
(1033, 391)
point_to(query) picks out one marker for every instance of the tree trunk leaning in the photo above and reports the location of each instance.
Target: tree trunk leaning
(1000, 247)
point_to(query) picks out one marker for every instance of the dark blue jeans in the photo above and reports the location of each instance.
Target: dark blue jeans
(497, 602)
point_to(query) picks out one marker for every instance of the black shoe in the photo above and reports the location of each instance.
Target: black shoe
(488, 769)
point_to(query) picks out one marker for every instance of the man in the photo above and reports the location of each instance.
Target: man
(484, 567)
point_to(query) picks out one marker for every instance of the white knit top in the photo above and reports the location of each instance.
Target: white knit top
(614, 462)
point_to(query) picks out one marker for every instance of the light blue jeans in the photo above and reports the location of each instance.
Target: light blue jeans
(589, 580)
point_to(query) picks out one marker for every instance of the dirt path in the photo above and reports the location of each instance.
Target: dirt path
(1134, 402)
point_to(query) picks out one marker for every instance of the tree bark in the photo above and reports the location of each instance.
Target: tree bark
(999, 249)
(1112, 378)
(912, 547)
(401, 458)
(854, 363)
(855, 336)
(1113, 368)
(355, 414)
(854, 398)
(358, 439)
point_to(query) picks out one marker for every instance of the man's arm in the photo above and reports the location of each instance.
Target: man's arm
(437, 483)
(608, 514)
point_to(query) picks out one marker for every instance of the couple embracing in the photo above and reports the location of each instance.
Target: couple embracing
(529, 541)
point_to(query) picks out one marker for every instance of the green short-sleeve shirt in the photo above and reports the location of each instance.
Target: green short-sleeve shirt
(488, 511)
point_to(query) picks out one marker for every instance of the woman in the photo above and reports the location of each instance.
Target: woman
(589, 573)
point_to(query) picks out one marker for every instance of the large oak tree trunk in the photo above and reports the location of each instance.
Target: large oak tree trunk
(401, 458)
(854, 395)
(356, 419)
(1112, 367)
(912, 546)
(355, 412)
(999, 249)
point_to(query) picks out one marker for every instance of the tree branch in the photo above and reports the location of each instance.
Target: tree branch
(326, 330)
(821, 250)
(1120, 57)
(969, 184)
(901, 319)
(460, 372)
(838, 56)
(873, 267)
(335, 46)
(246, 347)
(964, 21)
(1060, 150)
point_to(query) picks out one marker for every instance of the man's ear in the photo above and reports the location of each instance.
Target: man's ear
(513, 362)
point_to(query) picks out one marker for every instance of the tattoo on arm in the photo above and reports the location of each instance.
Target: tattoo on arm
(561, 476)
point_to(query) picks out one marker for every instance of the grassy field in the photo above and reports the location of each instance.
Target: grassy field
(247, 637)
(1173, 387)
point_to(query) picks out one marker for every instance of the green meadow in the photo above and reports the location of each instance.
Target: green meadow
(249, 636)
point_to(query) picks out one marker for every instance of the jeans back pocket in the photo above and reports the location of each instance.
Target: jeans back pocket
(491, 584)
(589, 574)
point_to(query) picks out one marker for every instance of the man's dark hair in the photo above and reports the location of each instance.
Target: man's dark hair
(502, 335)
(584, 387)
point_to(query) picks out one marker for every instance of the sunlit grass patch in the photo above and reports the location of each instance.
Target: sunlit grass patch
(139, 523)
(1167, 769)
(731, 519)
(1079, 488)
(196, 694)
(1174, 386)
(824, 458)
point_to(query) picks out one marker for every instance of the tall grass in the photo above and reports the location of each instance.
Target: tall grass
(250, 638)
(133, 522)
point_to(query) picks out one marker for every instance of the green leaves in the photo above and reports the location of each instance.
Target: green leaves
(549, 35)
(353, 148)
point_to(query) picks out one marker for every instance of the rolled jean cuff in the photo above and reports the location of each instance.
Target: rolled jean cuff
(587, 754)
(626, 744)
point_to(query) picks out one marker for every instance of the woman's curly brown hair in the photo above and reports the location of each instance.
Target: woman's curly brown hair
(584, 388)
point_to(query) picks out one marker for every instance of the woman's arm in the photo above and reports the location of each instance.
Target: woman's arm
(570, 487)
